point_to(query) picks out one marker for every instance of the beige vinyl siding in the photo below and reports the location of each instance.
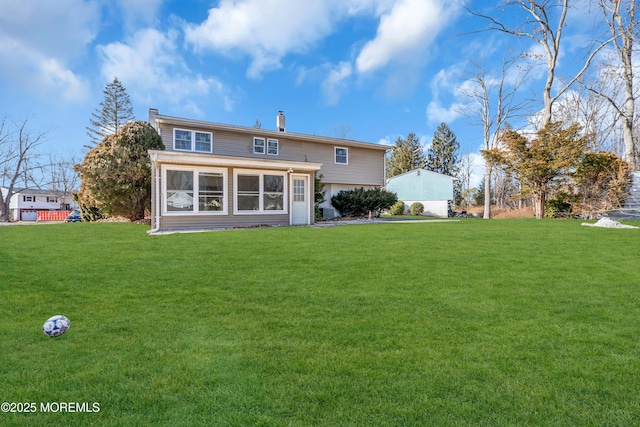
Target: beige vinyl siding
(365, 166)
(201, 222)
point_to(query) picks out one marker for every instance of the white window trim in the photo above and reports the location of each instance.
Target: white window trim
(335, 155)
(277, 147)
(264, 145)
(261, 173)
(196, 171)
(193, 140)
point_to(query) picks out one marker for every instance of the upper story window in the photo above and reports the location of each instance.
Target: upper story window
(341, 155)
(268, 146)
(52, 199)
(258, 145)
(272, 147)
(28, 198)
(190, 140)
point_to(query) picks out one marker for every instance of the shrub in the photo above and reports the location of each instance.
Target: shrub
(359, 202)
(558, 207)
(319, 196)
(416, 208)
(397, 208)
(116, 174)
(603, 181)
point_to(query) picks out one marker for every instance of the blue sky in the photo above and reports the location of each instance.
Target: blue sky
(381, 68)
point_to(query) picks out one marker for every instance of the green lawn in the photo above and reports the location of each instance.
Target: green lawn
(478, 323)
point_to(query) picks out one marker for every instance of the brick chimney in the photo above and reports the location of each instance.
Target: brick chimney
(280, 121)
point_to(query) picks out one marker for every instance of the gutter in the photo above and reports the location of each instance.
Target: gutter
(156, 170)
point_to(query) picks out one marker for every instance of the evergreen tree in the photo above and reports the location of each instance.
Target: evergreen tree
(442, 156)
(319, 196)
(406, 155)
(116, 174)
(542, 161)
(114, 112)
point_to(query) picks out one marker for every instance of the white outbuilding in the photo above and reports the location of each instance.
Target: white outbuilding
(433, 190)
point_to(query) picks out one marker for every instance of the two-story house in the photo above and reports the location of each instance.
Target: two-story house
(26, 203)
(214, 175)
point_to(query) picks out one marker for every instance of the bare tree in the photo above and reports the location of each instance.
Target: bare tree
(621, 18)
(63, 179)
(544, 25)
(493, 102)
(18, 160)
(594, 114)
(465, 172)
(342, 130)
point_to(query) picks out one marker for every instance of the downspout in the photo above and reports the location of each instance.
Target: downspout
(156, 171)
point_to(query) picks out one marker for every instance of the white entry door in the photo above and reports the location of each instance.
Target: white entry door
(300, 200)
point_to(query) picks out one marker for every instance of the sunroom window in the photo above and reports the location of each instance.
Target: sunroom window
(210, 191)
(195, 190)
(248, 193)
(273, 192)
(260, 192)
(179, 191)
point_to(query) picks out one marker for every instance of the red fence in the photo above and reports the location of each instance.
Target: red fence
(53, 215)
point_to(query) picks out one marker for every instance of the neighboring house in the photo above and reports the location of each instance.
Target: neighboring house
(432, 189)
(214, 175)
(26, 203)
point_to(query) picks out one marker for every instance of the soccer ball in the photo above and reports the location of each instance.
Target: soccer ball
(56, 326)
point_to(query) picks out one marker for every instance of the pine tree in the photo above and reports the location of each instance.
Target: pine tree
(114, 112)
(406, 155)
(442, 156)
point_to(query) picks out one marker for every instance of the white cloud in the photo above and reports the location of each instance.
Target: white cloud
(266, 30)
(39, 39)
(405, 31)
(136, 13)
(66, 83)
(150, 67)
(436, 113)
(386, 141)
(60, 29)
(334, 83)
(446, 84)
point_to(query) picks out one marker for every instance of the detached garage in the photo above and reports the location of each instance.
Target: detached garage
(432, 189)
